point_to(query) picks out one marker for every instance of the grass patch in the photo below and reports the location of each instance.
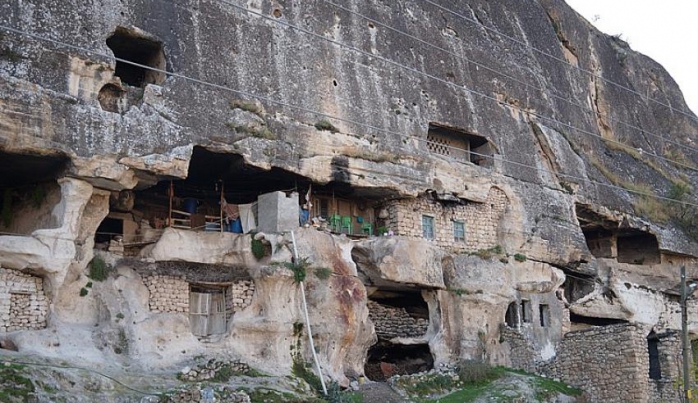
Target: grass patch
(652, 208)
(323, 273)
(10, 55)
(246, 106)
(423, 386)
(488, 253)
(325, 125)
(678, 158)
(99, 269)
(14, 387)
(262, 133)
(547, 387)
(299, 269)
(83, 292)
(520, 257)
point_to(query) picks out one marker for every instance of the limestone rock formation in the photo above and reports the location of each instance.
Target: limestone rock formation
(513, 187)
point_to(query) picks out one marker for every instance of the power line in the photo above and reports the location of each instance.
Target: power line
(510, 77)
(441, 80)
(292, 106)
(556, 58)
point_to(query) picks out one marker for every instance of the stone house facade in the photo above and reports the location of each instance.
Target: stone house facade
(460, 227)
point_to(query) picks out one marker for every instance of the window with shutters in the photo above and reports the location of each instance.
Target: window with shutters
(428, 227)
(458, 231)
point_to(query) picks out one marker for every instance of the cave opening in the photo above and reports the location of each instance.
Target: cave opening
(223, 193)
(401, 320)
(607, 238)
(386, 359)
(131, 46)
(29, 191)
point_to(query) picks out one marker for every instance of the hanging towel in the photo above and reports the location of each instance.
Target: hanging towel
(247, 217)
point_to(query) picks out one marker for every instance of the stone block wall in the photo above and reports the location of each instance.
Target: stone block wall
(668, 389)
(23, 303)
(481, 220)
(521, 352)
(395, 322)
(610, 363)
(239, 295)
(167, 293)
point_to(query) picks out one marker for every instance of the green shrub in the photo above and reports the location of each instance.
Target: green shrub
(246, 106)
(83, 292)
(259, 250)
(472, 371)
(299, 269)
(323, 273)
(520, 257)
(89, 284)
(99, 269)
(325, 125)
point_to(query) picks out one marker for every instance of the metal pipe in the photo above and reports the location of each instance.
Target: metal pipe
(307, 319)
(684, 337)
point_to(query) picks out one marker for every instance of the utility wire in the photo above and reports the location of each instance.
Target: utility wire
(301, 108)
(542, 89)
(445, 82)
(561, 60)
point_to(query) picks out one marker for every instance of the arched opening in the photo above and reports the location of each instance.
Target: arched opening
(512, 316)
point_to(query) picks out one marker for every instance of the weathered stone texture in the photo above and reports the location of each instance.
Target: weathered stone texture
(481, 220)
(23, 303)
(393, 322)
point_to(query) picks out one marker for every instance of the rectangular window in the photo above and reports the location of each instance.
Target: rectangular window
(428, 227)
(544, 315)
(458, 231)
(526, 312)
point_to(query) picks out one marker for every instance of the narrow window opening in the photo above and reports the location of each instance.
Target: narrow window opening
(544, 311)
(428, 227)
(458, 231)
(653, 351)
(133, 47)
(526, 312)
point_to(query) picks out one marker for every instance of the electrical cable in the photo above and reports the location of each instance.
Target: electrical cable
(561, 60)
(445, 82)
(542, 89)
(326, 115)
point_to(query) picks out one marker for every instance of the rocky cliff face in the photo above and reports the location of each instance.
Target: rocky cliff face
(569, 128)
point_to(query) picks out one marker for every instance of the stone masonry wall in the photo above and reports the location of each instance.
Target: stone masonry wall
(481, 220)
(23, 304)
(610, 363)
(668, 389)
(239, 295)
(395, 322)
(521, 353)
(167, 293)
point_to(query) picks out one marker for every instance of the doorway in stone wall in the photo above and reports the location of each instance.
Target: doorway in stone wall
(207, 310)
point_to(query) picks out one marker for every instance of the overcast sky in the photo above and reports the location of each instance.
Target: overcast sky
(665, 30)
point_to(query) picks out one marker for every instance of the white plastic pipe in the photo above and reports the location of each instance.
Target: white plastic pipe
(307, 319)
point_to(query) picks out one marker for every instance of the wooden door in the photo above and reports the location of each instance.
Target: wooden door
(217, 314)
(199, 308)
